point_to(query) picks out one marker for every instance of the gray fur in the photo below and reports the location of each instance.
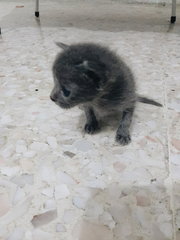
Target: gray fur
(94, 77)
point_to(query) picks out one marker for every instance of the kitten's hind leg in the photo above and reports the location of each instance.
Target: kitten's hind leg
(122, 135)
(92, 124)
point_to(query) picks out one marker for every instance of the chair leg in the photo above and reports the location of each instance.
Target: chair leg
(37, 9)
(173, 15)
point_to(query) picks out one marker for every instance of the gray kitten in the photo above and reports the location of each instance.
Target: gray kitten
(93, 76)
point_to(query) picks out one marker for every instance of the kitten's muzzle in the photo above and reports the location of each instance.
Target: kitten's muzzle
(53, 98)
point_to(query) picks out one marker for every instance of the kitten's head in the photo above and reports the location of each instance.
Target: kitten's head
(74, 82)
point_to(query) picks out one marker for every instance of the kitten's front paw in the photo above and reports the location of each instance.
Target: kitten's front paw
(123, 139)
(91, 128)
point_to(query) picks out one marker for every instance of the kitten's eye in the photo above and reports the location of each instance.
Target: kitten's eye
(66, 92)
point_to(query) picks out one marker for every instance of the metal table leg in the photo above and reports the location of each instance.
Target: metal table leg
(173, 15)
(37, 8)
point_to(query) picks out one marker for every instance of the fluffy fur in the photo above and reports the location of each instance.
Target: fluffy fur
(93, 76)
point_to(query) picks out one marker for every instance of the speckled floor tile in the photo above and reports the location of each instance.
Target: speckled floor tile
(58, 183)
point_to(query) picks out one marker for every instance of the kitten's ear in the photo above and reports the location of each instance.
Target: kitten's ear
(90, 72)
(62, 45)
(84, 65)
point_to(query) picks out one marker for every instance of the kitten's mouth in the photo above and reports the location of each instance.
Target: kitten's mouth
(64, 105)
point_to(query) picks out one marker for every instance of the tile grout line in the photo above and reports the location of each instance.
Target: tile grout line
(170, 181)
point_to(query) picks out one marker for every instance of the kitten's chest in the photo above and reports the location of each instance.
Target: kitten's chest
(105, 107)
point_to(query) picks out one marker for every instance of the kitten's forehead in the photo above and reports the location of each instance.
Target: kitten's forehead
(74, 76)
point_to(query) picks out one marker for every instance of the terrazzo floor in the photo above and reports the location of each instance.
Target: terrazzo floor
(55, 181)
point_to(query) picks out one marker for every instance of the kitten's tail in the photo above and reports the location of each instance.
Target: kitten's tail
(148, 101)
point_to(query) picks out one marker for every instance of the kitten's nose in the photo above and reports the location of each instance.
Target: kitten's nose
(52, 98)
